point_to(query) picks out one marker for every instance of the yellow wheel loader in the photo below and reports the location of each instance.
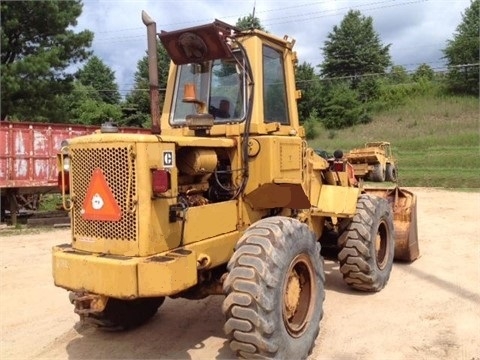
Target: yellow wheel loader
(224, 197)
(374, 162)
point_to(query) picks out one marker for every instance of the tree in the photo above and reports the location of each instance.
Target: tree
(425, 72)
(462, 53)
(354, 49)
(308, 82)
(310, 125)
(343, 108)
(38, 45)
(91, 112)
(101, 78)
(398, 75)
(84, 105)
(249, 22)
(137, 104)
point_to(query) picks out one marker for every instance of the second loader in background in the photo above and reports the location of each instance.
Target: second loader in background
(374, 162)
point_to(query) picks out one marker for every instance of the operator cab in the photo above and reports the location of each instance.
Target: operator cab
(215, 81)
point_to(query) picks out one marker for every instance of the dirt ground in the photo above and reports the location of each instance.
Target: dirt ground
(429, 310)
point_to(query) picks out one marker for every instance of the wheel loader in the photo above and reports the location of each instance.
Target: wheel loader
(374, 162)
(227, 201)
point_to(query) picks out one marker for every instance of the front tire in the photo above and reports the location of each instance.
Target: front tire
(366, 258)
(391, 173)
(275, 291)
(378, 173)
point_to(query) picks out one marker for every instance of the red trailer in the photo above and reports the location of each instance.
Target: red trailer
(28, 159)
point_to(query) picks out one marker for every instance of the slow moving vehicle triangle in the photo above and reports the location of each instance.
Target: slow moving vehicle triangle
(99, 203)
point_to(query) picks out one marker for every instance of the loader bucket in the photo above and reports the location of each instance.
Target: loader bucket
(404, 205)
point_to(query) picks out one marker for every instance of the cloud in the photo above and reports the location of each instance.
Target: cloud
(417, 29)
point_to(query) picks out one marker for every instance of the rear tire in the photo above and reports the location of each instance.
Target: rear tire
(378, 173)
(391, 174)
(125, 314)
(275, 291)
(367, 256)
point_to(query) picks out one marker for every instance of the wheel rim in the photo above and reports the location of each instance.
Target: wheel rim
(298, 295)
(381, 246)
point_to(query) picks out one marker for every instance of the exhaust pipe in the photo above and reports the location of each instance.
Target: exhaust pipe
(153, 72)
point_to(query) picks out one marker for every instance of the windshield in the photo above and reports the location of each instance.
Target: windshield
(219, 89)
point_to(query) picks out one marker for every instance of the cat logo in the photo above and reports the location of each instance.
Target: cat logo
(99, 203)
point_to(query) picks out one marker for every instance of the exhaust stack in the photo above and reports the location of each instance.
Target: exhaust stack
(153, 72)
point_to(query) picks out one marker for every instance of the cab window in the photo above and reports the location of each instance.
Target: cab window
(274, 89)
(219, 85)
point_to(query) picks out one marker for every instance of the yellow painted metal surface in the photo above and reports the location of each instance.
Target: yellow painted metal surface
(101, 275)
(284, 195)
(288, 164)
(337, 201)
(147, 138)
(210, 220)
(160, 275)
(167, 274)
(218, 250)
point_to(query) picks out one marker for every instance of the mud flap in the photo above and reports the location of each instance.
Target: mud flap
(404, 205)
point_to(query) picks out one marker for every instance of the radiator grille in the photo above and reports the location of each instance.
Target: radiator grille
(114, 163)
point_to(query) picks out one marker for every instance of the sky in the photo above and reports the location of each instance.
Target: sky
(417, 30)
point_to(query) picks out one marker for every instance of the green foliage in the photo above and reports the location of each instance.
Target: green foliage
(137, 103)
(423, 72)
(38, 45)
(398, 75)
(313, 93)
(100, 77)
(368, 89)
(342, 107)
(463, 53)
(354, 49)
(310, 125)
(392, 95)
(84, 105)
(92, 112)
(50, 202)
(249, 22)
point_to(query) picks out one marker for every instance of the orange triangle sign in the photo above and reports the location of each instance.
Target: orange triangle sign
(99, 203)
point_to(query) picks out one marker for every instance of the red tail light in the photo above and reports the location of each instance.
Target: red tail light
(160, 181)
(338, 166)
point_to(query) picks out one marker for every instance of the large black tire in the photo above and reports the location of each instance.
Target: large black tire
(391, 174)
(125, 314)
(275, 291)
(367, 256)
(378, 173)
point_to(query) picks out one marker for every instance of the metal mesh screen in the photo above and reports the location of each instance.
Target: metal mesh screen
(114, 163)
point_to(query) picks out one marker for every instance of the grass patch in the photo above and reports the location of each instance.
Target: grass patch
(50, 202)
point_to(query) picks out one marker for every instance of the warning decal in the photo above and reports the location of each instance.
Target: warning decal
(99, 203)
